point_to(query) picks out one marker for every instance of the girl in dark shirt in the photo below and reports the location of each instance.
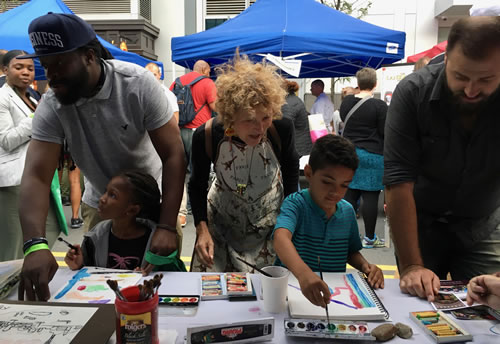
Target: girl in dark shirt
(130, 206)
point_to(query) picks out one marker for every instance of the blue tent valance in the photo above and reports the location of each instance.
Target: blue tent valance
(329, 43)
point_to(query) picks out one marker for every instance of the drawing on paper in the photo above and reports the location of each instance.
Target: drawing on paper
(351, 299)
(349, 295)
(89, 286)
(355, 293)
(41, 324)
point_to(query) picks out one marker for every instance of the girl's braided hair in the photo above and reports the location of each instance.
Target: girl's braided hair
(145, 193)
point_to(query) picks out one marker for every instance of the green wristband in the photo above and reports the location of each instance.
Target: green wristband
(160, 260)
(36, 247)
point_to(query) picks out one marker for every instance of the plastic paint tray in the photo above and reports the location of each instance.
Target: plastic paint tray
(354, 330)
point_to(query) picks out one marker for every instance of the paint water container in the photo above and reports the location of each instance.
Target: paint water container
(136, 321)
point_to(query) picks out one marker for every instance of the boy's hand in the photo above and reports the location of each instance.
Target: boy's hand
(74, 258)
(314, 289)
(374, 274)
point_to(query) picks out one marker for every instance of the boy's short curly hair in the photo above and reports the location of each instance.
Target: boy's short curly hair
(333, 150)
(244, 85)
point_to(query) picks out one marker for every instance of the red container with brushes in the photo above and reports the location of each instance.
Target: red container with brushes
(136, 320)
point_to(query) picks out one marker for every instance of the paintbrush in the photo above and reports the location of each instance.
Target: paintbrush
(321, 276)
(254, 267)
(67, 243)
(114, 286)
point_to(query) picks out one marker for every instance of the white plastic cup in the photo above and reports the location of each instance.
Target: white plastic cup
(274, 289)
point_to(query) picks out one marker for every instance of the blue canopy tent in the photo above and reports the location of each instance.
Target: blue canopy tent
(329, 43)
(14, 32)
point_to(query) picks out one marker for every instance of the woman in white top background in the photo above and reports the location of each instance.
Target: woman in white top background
(16, 112)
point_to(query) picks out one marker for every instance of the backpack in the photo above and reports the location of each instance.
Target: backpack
(185, 100)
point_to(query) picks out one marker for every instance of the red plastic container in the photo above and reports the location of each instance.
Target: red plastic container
(136, 321)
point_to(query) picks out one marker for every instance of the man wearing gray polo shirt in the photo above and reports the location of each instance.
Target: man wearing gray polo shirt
(441, 162)
(114, 117)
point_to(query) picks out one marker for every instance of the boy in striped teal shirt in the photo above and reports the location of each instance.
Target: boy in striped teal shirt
(317, 222)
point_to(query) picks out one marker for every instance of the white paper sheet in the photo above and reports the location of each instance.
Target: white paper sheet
(40, 324)
(89, 286)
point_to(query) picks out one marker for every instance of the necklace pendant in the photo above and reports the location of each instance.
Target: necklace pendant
(241, 189)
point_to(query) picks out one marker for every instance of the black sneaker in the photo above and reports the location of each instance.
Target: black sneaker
(76, 223)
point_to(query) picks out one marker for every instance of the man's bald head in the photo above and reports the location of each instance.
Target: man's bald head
(153, 68)
(202, 67)
(477, 37)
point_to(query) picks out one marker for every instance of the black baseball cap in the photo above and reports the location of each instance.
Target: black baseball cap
(57, 33)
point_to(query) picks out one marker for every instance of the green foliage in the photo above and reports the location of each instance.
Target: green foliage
(357, 8)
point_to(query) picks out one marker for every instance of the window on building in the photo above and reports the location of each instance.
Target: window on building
(213, 22)
(219, 11)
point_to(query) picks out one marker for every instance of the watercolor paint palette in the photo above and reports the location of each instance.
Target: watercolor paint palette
(226, 285)
(440, 327)
(179, 300)
(352, 330)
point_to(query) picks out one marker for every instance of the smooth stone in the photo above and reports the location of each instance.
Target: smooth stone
(404, 331)
(384, 332)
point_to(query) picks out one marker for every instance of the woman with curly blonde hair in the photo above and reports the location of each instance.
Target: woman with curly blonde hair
(256, 165)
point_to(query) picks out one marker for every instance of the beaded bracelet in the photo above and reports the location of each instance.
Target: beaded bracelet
(33, 241)
(36, 247)
(167, 227)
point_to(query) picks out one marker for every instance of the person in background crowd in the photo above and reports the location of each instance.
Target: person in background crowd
(75, 188)
(365, 128)
(256, 164)
(16, 115)
(155, 69)
(295, 110)
(323, 104)
(114, 118)
(442, 172)
(2, 74)
(421, 63)
(33, 93)
(204, 94)
(338, 125)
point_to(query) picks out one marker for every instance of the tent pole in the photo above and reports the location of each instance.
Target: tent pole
(173, 71)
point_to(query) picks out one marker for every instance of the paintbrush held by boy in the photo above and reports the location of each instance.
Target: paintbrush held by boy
(316, 224)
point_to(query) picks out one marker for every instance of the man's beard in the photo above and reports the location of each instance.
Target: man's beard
(75, 87)
(464, 108)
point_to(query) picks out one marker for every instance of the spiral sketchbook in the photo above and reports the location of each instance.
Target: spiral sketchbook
(352, 298)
